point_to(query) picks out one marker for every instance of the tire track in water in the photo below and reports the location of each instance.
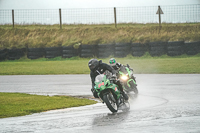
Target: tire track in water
(142, 101)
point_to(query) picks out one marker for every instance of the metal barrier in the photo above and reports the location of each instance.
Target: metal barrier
(106, 50)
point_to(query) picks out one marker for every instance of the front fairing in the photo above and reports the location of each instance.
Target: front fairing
(102, 84)
(125, 75)
(125, 71)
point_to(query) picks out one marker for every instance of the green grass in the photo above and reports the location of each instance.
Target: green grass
(183, 64)
(141, 65)
(19, 104)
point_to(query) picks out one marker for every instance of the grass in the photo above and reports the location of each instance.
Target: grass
(35, 36)
(164, 64)
(141, 65)
(19, 104)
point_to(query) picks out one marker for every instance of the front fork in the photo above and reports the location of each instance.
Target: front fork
(112, 95)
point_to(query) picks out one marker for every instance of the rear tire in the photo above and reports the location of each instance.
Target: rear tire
(110, 102)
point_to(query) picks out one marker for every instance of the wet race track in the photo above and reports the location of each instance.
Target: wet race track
(166, 103)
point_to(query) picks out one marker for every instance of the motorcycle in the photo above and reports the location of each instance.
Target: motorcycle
(110, 94)
(127, 79)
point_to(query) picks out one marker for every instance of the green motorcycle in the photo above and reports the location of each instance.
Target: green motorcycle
(127, 79)
(109, 93)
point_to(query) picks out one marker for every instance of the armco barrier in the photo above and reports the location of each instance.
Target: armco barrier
(14, 54)
(3, 54)
(53, 52)
(88, 50)
(69, 51)
(105, 50)
(198, 46)
(175, 48)
(138, 49)
(157, 48)
(35, 53)
(122, 49)
(192, 48)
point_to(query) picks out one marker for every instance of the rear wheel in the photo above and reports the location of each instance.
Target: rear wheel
(110, 102)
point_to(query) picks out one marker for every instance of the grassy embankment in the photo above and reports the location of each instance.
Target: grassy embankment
(17, 104)
(50, 36)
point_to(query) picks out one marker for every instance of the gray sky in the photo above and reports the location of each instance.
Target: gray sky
(55, 4)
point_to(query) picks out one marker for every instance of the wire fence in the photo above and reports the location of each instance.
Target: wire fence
(172, 14)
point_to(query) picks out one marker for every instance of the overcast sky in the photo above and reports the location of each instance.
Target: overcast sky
(55, 4)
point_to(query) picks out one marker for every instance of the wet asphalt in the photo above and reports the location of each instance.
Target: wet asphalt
(167, 103)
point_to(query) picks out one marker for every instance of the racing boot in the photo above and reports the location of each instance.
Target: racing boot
(119, 102)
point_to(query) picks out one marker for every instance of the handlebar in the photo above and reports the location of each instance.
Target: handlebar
(114, 79)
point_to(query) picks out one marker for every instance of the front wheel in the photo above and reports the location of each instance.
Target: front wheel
(110, 102)
(133, 87)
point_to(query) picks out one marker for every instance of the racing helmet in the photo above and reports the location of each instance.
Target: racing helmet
(93, 64)
(113, 62)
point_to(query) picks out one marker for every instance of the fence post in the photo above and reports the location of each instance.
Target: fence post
(13, 18)
(159, 12)
(60, 18)
(115, 17)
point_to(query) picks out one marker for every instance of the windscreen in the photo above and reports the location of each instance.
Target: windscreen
(99, 78)
(123, 69)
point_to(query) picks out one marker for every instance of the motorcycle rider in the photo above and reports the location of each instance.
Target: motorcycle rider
(98, 67)
(115, 65)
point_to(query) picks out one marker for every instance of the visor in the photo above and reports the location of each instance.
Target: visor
(113, 64)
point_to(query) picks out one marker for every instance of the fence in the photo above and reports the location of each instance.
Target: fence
(172, 14)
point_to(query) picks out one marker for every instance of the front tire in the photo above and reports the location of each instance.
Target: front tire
(110, 102)
(133, 87)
